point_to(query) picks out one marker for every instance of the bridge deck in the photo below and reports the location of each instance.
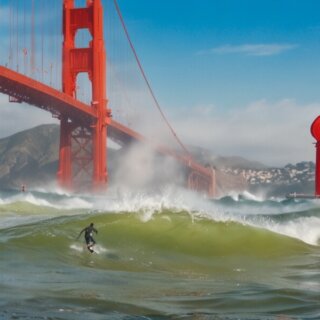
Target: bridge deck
(30, 91)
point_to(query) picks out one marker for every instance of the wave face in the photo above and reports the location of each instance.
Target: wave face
(158, 256)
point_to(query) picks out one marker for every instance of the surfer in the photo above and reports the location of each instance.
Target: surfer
(88, 236)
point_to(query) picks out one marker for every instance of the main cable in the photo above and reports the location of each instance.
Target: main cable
(146, 79)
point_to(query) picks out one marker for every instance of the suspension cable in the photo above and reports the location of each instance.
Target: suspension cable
(32, 57)
(24, 50)
(17, 35)
(146, 79)
(11, 36)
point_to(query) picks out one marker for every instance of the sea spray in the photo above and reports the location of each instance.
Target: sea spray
(175, 255)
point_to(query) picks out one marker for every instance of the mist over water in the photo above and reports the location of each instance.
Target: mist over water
(173, 254)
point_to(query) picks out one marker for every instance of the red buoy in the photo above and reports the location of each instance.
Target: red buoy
(315, 131)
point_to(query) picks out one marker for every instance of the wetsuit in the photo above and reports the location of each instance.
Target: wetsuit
(88, 236)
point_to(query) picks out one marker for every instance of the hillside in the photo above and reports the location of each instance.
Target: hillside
(203, 155)
(31, 157)
(299, 177)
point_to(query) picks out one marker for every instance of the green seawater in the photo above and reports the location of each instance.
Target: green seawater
(170, 256)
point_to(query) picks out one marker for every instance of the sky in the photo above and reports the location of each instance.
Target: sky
(236, 77)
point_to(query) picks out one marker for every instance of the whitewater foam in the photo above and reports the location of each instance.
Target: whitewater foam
(81, 248)
(251, 211)
(306, 229)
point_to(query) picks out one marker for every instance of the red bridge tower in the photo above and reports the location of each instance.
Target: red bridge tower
(83, 150)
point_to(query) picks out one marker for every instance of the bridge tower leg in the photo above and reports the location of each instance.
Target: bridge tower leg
(203, 183)
(90, 60)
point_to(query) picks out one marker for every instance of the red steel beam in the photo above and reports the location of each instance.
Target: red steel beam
(30, 91)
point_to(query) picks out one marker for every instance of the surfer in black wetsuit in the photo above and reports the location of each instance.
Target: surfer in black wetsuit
(88, 236)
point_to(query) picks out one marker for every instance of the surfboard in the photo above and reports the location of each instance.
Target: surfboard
(90, 248)
(97, 249)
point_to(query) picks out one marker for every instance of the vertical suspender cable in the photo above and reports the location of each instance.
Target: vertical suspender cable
(32, 57)
(17, 34)
(50, 46)
(24, 39)
(10, 36)
(42, 40)
(57, 30)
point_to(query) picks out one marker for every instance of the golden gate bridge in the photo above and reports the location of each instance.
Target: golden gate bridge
(44, 67)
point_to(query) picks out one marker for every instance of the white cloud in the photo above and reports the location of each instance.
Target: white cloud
(273, 133)
(252, 49)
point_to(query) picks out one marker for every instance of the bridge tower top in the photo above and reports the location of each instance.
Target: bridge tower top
(90, 60)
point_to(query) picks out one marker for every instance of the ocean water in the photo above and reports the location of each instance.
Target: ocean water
(174, 255)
